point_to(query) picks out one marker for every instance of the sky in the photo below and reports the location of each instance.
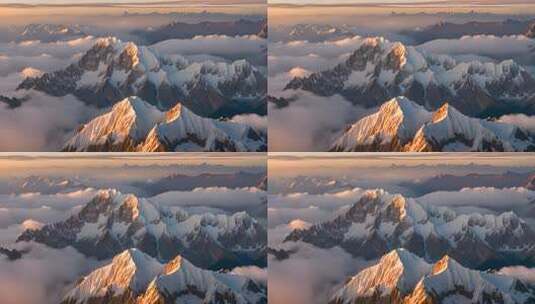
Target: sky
(285, 8)
(282, 164)
(206, 2)
(420, 2)
(12, 163)
(101, 7)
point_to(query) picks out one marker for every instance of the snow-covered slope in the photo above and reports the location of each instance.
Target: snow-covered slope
(112, 222)
(380, 70)
(135, 277)
(393, 276)
(389, 129)
(135, 125)
(379, 222)
(113, 70)
(181, 282)
(127, 275)
(401, 277)
(402, 125)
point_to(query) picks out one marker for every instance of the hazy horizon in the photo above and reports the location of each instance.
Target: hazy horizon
(106, 8)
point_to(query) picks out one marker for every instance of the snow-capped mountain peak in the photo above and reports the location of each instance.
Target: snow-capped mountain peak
(403, 277)
(396, 272)
(443, 112)
(113, 70)
(443, 264)
(127, 123)
(390, 128)
(379, 222)
(128, 274)
(135, 125)
(402, 125)
(133, 277)
(379, 70)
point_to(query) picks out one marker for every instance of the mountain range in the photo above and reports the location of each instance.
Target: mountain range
(135, 125)
(133, 277)
(113, 70)
(401, 277)
(451, 182)
(181, 182)
(313, 185)
(44, 185)
(380, 70)
(181, 30)
(315, 32)
(451, 30)
(403, 125)
(380, 222)
(112, 222)
(49, 32)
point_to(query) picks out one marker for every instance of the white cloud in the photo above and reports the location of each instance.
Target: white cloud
(327, 49)
(311, 208)
(15, 209)
(520, 120)
(215, 45)
(14, 57)
(252, 272)
(217, 197)
(256, 121)
(310, 275)
(311, 56)
(285, 215)
(60, 49)
(310, 123)
(42, 123)
(40, 276)
(284, 63)
(505, 47)
(520, 272)
(484, 197)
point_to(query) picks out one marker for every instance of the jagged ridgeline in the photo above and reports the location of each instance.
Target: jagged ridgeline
(379, 70)
(113, 222)
(401, 277)
(113, 70)
(380, 222)
(133, 277)
(402, 125)
(134, 125)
